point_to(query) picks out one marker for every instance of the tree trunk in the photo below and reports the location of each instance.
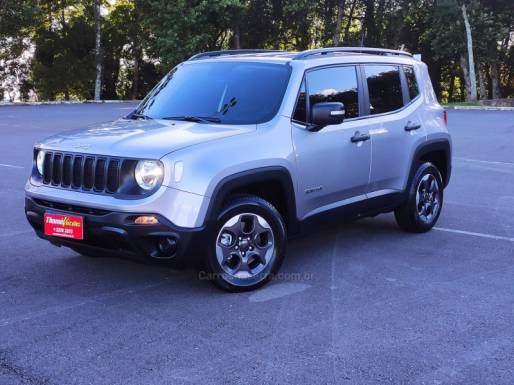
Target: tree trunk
(465, 84)
(495, 83)
(137, 51)
(63, 34)
(370, 27)
(482, 82)
(237, 36)
(472, 93)
(339, 22)
(135, 82)
(349, 23)
(98, 51)
(451, 88)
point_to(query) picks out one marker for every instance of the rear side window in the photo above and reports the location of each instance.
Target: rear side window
(335, 84)
(384, 88)
(412, 84)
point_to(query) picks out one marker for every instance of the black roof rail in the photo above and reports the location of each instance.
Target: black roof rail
(372, 51)
(230, 52)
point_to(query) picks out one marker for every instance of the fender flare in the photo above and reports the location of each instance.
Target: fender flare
(251, 177)
(428, 147)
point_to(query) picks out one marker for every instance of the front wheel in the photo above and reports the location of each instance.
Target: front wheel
(248, 244)
(419, 213)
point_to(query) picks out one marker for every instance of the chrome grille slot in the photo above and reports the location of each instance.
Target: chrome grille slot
(56, 169)
(77, 172)
(88, 171)
(47, 168)
(84, 172)
(113, 175)
(100, 174)
(66, 170)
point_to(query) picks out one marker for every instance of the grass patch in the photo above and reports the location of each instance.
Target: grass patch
(456, 104)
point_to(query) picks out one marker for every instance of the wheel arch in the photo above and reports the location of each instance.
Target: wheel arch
(438, 152)
(273, 183)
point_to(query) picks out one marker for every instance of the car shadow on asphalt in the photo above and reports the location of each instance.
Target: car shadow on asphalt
(305, 254)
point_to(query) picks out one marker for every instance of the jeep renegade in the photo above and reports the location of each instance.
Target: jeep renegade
(233, 152)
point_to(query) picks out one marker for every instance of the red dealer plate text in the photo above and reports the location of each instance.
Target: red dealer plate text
(64, 226)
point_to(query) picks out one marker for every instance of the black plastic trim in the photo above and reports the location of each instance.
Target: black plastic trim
(114, 232)
(251, 177)
(428, 147)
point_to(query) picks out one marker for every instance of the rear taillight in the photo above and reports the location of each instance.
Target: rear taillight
(445, 118)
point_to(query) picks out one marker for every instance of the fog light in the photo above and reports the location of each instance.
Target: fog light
(146, 220)
(167, 246)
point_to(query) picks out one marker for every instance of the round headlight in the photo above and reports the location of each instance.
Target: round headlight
(40, 161)
(148, 173)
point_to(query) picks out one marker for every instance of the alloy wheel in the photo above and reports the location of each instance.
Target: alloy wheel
(428, 198)
(245, 245)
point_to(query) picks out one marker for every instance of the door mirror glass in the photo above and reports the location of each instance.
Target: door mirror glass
(326, 114)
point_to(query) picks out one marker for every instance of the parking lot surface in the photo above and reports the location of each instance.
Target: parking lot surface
(362, 303)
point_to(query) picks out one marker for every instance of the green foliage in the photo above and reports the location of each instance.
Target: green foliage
(185, 27)
(63, 64)
(143, 39)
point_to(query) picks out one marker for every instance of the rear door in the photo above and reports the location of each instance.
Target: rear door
(396, 127)
(332, 170)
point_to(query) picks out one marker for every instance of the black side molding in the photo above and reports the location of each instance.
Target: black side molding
(255, 176)
(434, 145)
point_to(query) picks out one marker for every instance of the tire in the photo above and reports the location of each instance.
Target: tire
(420, 211)
(247, 244)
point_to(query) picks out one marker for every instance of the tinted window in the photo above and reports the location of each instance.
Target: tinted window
(300, 112)
(236, 92)
(411, 81)
(337, 84)
(384, 86)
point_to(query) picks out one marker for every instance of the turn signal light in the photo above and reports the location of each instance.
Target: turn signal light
(146, 220)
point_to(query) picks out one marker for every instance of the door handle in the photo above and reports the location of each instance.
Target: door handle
(358, 137)
(411, 127)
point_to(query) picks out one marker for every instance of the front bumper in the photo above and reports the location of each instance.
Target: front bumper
(183, 209)
(111, 232)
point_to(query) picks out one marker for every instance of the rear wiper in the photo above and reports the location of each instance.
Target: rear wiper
(138, 116)
(197, 119)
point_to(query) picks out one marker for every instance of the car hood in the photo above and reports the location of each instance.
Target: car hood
(143, 139)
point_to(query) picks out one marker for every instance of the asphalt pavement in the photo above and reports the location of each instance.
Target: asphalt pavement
(363, 303)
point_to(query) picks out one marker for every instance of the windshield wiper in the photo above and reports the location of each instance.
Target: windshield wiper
(136, 116)
(196, 119)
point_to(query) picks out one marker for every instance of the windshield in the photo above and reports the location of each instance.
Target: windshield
(222, 92)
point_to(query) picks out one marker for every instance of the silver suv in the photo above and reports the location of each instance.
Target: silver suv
(234, 152)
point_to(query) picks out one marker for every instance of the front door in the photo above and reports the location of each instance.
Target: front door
(333, 169)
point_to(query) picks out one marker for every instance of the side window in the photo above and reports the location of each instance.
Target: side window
(384, 87)
(335, 84)
(412, 85)
(300, 112)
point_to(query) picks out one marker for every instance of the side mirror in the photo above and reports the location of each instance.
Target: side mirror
(326, 114)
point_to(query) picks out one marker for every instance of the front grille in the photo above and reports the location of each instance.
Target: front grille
(86, 172)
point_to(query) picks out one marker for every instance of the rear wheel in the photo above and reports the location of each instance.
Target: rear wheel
(248, 244)
(424, 202)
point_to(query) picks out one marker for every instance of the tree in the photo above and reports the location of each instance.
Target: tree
(63, 62)
(98, 50)
(471, 60)
(81, 53)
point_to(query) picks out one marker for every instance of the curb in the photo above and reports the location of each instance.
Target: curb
(479, 108)
(58, 102)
